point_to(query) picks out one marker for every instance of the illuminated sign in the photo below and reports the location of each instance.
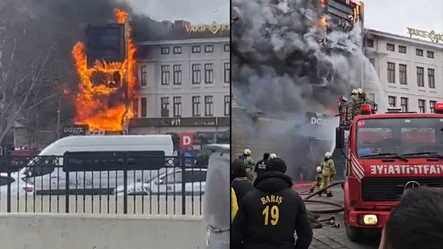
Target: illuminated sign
(434, 37)
(213, 28)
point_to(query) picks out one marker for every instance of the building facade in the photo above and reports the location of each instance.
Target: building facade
(184, 81)
(409, 70)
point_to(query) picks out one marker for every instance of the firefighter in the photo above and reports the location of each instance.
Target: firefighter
(318, 181)
(249, 163)
(328, 171)
(352, 110)
(270, 214)
(362, 97)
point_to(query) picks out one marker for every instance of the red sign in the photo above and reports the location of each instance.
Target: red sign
(186, 140)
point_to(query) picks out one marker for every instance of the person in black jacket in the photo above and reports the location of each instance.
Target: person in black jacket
(239, 181)
(260, 167)
(269, 215)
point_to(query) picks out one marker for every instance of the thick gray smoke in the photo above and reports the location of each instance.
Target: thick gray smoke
(280, 65)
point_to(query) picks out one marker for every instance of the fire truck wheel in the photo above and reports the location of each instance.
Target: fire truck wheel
(354, 234)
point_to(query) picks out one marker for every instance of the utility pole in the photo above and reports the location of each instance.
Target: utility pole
(126, 80)
(59, 102)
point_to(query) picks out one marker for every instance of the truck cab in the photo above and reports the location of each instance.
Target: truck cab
(387, 154)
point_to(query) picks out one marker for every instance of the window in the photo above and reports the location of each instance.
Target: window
(227, 105)
(165, 74)
(196, 106)
(135, 107)
(196, 73)
(177, 74)
(391, 72)
(143, 75)
(171, 178)
(196, 176)
(419, 52)
(209, 106)
(227, 48)
(431, 78)
(390, 47)
(392, 101)
(420, 76)
(209, 48)
(177, 50)
(422, 105)
(144, 108)
(432, 105)
(369, 43)
(371, 97)
(177, 106)
(402, 49)
(164, 50)
(227, 72)
(196, 49)
(403, 74)
(209, 73)
(430, 54)
(404, 104)
(165, 107)
(372, 60)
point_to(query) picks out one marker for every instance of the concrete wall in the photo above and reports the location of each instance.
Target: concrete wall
(43, 231)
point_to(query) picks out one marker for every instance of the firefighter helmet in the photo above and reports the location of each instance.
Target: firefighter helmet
(360, 91)
(273, 156)
(328, 154)
(247, 152)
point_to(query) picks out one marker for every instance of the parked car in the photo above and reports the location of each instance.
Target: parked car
(169, 182)
(18, 186)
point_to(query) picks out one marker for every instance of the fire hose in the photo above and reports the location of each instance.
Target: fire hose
(314, 215)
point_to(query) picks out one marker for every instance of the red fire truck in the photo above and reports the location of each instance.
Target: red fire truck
(386, 154)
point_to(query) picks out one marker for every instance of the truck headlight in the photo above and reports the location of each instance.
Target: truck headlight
(370, 219)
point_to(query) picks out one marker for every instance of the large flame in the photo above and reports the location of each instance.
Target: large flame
(98, 105)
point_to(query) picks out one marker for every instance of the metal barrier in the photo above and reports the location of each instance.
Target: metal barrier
(102, 182)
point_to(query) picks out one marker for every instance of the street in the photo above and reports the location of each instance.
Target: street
(330, 237)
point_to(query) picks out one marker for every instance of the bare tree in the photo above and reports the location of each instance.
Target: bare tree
(25, 54)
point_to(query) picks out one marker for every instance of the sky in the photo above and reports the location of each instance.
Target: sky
(195, 11)
(394, 16)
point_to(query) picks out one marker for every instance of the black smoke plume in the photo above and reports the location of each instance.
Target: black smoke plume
(60, 24)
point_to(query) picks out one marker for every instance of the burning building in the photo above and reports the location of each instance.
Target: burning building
(107, 85)
(290, 72)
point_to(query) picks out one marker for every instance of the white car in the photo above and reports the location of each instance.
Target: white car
(169, 183)
(18, 186)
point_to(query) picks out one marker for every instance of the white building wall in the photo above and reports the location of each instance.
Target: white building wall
(381, 56)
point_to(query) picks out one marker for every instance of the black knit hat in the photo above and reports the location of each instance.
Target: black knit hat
(238, 168)
(276, 164)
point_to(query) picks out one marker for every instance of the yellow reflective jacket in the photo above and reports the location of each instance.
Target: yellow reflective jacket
(234, 205)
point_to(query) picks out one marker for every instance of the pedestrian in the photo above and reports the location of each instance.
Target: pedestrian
(249, 162)
(328, 171)
(270, 214)
(260, 167)
(239, 181)
(416, 221)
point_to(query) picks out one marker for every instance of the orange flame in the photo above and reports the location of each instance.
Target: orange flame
(93, 101)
